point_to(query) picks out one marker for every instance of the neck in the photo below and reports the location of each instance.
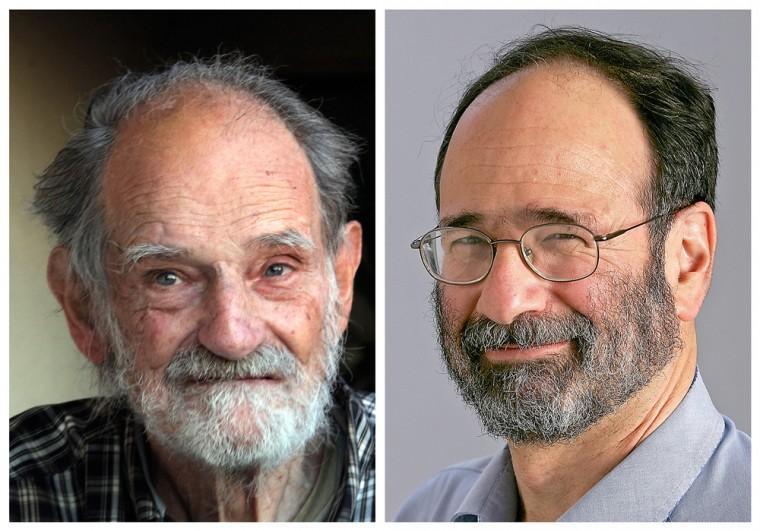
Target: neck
(551, 479)
(195, 492)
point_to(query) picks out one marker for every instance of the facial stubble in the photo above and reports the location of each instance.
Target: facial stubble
(633, 335)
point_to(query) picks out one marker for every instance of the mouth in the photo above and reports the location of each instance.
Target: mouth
(259, 380)
(515, 353)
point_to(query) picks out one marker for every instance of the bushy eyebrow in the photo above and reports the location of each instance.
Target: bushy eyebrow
(555, 215)
(141, 251)
(287, 238)
(525, 216)
(290, 238)
(463, 219)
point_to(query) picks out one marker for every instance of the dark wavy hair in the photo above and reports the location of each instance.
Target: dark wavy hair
(673, 104)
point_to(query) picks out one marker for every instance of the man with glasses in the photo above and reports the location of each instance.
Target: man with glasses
(575, 187)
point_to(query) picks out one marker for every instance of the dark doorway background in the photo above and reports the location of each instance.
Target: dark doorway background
(328, 57)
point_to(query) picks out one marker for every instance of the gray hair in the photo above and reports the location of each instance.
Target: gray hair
(67, 193)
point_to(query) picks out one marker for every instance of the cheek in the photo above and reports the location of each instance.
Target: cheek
(621, 259)
(298, 324)
(583, 296)
(154, 335)
(459, 302)
(576, 293)
(162, 335)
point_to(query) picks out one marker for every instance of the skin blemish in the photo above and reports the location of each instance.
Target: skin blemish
(184, 184)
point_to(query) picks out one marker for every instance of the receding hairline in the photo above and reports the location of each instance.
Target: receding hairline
(565, 64)
(202, 93)
(563, 68)
(239, 109)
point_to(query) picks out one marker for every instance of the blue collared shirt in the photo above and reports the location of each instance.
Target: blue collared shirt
(694, 467)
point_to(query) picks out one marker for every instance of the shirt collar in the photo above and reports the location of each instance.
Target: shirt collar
(142, 453)
(358, 423)
(493, 497)
(144, 499)
(645, 486)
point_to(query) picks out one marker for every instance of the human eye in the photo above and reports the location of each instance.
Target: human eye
(282, 276)
(470, 240)
(167, 287)
(278, 269)
(165, 278)
(565, 239)
(464, 240)
(562, 236)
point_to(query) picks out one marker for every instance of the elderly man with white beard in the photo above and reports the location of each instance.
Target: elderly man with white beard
(205, 266)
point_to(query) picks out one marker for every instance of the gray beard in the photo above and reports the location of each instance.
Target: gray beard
(203, 423)
(558, 398)
(289, 420)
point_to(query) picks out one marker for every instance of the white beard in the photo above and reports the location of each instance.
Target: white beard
(233, 425)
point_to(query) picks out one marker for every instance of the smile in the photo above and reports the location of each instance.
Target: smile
(512, 353)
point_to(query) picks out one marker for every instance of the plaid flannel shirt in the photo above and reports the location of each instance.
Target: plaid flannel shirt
(67, 464)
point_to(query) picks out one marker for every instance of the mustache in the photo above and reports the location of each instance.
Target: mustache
(197, 363)
(527, 331)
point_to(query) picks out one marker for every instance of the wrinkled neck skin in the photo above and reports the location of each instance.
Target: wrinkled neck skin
(197, 493)
(551, 479)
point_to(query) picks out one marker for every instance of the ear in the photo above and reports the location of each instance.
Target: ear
(346, 263)
(75, 304)
(690, 253)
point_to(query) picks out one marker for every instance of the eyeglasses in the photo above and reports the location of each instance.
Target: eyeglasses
(560, 252)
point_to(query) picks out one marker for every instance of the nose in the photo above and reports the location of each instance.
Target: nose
(511, 288)
(231, 328)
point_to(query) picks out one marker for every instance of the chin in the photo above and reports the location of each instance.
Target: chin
(235, 425)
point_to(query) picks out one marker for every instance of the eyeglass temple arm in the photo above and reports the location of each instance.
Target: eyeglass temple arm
(611, 235)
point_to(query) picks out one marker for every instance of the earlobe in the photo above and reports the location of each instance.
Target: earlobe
(75, 304)
(692, 242)
(347, 261)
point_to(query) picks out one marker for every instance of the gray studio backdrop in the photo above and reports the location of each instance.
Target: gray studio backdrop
(430, 56)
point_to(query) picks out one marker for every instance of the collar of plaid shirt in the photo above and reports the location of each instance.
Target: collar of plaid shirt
(68, 465)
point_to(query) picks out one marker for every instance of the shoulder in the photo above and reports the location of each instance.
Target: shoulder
(439, 498)
(721, 492)
(55, 451)
(47, 440)
(359, 405)
(360, 411)
(358, 421)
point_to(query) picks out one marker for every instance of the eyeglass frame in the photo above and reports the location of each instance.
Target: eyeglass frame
(417, 244)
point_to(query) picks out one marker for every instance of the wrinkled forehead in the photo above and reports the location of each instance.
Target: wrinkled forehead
(558, 132)
(207, 158)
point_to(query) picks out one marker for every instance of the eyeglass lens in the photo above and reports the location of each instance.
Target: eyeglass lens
(554, 251)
